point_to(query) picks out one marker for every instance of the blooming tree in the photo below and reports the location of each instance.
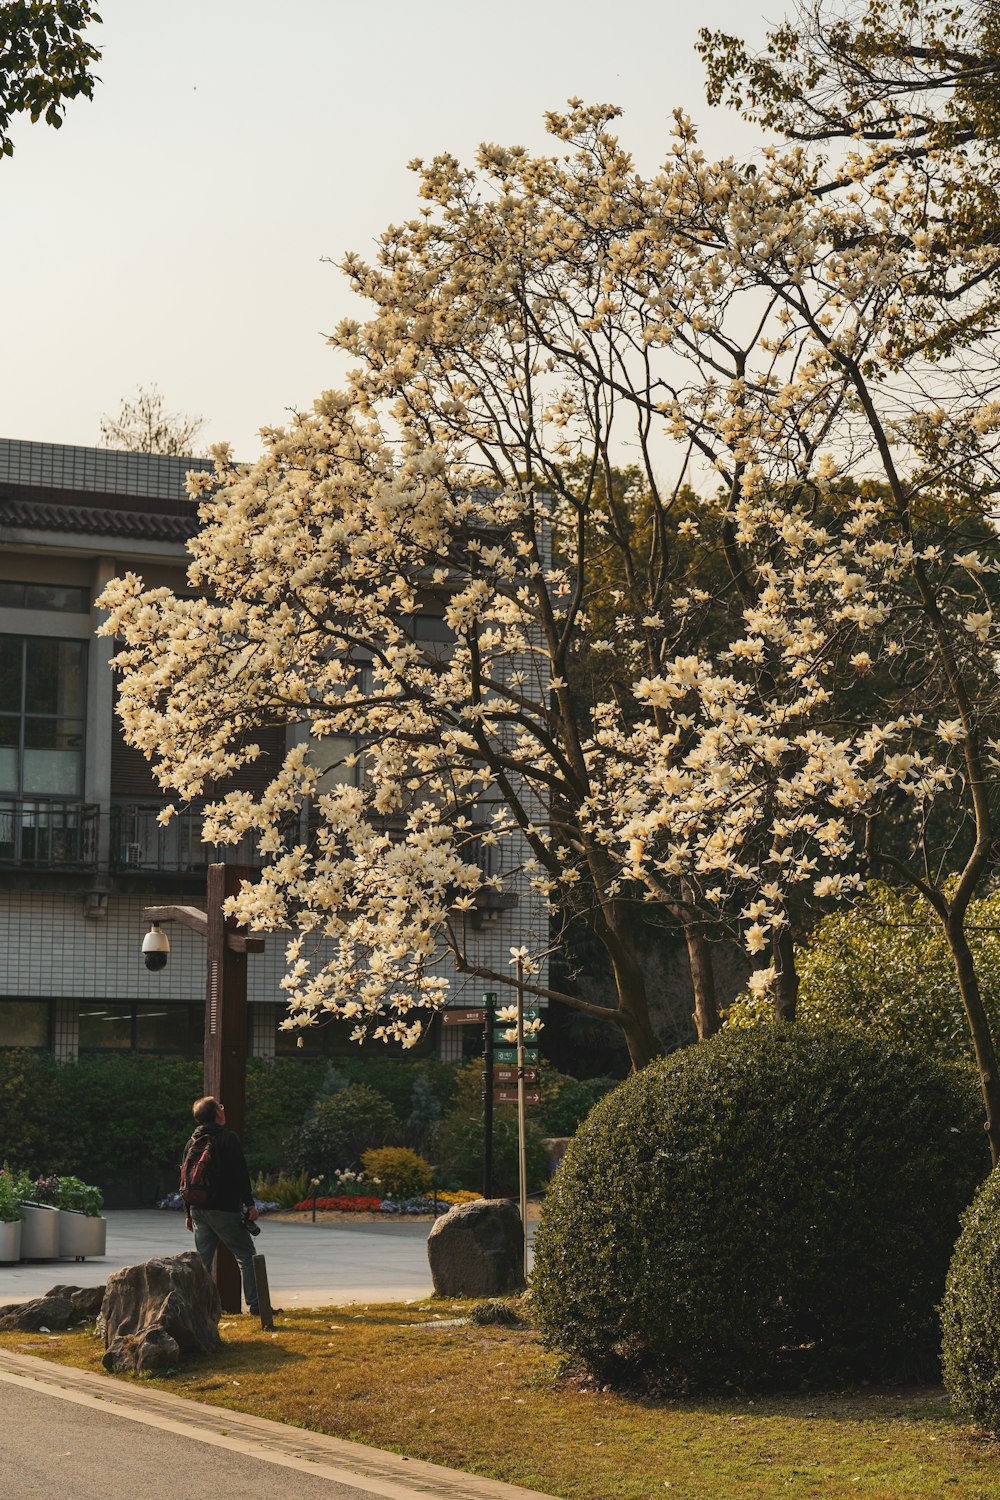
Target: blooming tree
(415, 576)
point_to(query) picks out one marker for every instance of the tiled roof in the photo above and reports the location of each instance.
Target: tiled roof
(38, 515)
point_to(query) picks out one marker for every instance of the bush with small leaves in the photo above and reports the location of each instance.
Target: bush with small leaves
(970, 1312)
(771, 1206)
(342, 1127)
(399, 1172)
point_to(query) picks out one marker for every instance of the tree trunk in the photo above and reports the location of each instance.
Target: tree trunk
(633, 1008)
(979, 1027)
(786, 979)
(706, 1009)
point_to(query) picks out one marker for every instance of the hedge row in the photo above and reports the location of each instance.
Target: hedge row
(121, 1121)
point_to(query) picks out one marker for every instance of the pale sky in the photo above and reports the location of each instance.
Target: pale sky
(174, 231)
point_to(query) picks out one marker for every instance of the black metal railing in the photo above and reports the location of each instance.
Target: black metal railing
(48, 834)
(140, 843)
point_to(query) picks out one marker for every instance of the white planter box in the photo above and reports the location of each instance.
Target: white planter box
(80, 1235)
(40, 1232)
(10, 1240)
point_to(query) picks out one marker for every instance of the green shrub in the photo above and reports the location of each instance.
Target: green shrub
(341, 1128)
(284, 1191)
(280, 1095)
(458, 1140)
(883, 968)
(79, 1197)
(400, 1172)
(566, 1102)
(970, 1312)
(774, 1205)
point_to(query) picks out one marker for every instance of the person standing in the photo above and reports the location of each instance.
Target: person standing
(215, 1184)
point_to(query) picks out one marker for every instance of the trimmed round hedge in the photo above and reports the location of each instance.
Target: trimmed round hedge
(970, 1312)
(771, 1206)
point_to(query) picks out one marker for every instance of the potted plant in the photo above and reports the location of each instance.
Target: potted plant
(40, 1230)
(82, 1231)
(11, 1216)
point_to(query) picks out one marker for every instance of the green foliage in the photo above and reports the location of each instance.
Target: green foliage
(11, 1196)
(458, 1140)
(280, 1094)
(566, 1102)
(396, 1078)
(284, 1191)
(117, 1121)
(400, 1172)
(79, 1197)
(45, 60)
(774, 1205)
(884, 968)
(970, 1312)
(342, 1127)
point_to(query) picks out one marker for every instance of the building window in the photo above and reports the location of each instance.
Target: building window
(57, 596)
(24, 1023)
(41, 716)
(176, 1029)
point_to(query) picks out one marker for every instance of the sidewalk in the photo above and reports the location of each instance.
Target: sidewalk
(308, 1265)
(348, 1469)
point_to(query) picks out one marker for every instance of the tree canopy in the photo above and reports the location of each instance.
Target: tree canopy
(45, 60)
(800, 684)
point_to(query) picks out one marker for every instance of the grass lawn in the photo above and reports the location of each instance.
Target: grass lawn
(491, 1400)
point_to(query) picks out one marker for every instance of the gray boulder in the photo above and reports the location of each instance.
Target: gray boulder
(86, 1300)
(42, 1314)
(477, 1250)
(157, 1311)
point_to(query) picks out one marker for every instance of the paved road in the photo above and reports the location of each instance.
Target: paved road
(79, 1436)
(308, 1265)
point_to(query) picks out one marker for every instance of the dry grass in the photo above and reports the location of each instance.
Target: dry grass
(491, 1400)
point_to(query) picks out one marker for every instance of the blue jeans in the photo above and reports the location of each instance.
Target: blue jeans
(213, 1226)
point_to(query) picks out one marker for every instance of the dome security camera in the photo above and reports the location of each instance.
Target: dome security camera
(155, 947)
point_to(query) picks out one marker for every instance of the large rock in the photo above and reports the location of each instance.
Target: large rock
(40, 1315)
(87, 1300)
(477, 1250)
(157, 1311)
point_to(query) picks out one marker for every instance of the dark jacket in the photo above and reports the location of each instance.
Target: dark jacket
(233, 1190)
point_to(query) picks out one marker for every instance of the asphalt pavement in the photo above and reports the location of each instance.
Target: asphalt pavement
(308, 1265)
(79, 1436)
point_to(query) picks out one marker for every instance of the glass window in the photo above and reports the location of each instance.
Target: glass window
(71, 600)
(24, 1023)
(54, 676)
(42, 728)
(170, 1028)
(60, 596)
(105, 1028)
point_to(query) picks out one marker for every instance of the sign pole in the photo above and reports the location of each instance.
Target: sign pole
(521, 1146)
(489, 1015)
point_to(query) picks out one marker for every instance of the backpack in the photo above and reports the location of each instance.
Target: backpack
(199, 1172)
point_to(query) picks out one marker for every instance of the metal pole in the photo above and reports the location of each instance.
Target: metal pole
(489, 1017)
(522, 1161)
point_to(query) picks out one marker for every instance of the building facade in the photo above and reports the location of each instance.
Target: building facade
(81, 850)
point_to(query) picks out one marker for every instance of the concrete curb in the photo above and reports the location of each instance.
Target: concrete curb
(368, 1469)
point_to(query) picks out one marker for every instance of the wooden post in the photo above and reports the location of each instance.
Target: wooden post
(263, 1292)
(226, 1039)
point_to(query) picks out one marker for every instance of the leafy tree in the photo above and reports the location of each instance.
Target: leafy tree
(817, 333)
(45, 60)
(143, 425)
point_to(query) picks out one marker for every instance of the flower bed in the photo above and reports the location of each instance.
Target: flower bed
(342, 1205)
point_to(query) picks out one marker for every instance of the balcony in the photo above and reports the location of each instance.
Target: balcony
(141, 844)
(37, 834)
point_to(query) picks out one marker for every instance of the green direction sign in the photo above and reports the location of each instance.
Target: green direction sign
(509, 1054)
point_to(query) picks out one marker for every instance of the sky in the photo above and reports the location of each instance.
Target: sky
(182, 229)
